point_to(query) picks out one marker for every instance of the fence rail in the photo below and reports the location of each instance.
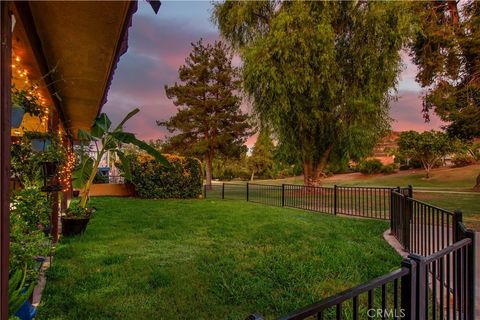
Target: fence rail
(368, 202)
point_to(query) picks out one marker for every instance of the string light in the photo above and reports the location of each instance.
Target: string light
(65, 172)
(32, 89)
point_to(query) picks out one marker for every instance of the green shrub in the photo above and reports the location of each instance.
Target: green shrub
(389, 168)
(462, 160)
(370, 166)
(152, 180)
(100, 178)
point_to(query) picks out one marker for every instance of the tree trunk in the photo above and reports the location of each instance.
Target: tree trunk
(477, 185)
(208, 170)
(253, 174)
(312, 174)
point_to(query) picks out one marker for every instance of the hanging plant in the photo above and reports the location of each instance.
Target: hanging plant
(40, 141)
(24, 101)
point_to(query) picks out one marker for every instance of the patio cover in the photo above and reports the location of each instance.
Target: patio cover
(82, 41)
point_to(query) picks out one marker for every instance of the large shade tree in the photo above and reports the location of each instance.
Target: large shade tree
(209, 121)
(446, 50)
(320, 74)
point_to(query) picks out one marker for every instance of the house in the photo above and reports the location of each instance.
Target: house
(73, 48)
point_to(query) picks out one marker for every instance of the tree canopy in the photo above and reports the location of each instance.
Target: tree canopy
(320, 74)
(209, 119)
(428, 147)
(446, 49)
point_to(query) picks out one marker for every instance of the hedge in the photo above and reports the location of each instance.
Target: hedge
(152, 180)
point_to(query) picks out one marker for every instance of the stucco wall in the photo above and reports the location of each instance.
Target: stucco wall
(109, 189)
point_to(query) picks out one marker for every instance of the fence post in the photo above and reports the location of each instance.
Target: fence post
(408, 299)
(247, 191)
(406, 217)
(223, 190)
(283, 195)
(457, 218)
(391, 210)
(421, 287)
(471, 267)
(335, 199)
(410, 191)
(205, 191)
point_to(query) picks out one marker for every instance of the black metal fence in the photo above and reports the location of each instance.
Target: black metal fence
(422, 228)
(368, 202)
(437, 279)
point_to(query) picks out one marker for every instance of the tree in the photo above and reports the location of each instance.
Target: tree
(446, 50)
(428, 147)
(261, 160)
(320, 74)
(209, 121)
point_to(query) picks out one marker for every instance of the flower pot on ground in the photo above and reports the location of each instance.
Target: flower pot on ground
(75, 220)
(17, 115)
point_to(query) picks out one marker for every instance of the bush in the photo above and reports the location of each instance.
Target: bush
(100, 178)
(370, 166)
(389, 168)
(152, 180)
(462, 160)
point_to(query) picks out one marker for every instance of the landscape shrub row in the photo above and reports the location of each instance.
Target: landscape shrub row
(151, 179)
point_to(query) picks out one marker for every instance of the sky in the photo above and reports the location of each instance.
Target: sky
(158, 45)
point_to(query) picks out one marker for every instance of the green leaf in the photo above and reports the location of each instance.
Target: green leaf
(125, 165)
(101, 125)
(127, 137)
(81, 175)
(127, 117)
(84, 135)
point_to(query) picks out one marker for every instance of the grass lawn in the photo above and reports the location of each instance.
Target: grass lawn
(442, 179)
(469, 204)
(204, 259)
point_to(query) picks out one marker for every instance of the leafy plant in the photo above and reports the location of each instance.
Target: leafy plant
(370, 166)
(27, 100)
(24, 165)
(76, 211)
(182, 179)
(32, 206)
(108, 140)
(17, 291)
(38, 135)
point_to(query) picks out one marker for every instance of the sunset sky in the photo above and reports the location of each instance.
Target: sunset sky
(158, 45)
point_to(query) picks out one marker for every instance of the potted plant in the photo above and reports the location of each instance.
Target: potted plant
(40, 140)
(75, 220)
(24, 101)
(105, 140)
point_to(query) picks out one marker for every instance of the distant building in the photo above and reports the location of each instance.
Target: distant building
(383, 150)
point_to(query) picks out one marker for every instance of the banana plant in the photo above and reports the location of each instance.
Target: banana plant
(107, 140)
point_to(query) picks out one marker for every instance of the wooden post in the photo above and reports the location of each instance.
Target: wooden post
(283, 195)
(247, 191)
(223, 190)
(5, 126)
(54, 197)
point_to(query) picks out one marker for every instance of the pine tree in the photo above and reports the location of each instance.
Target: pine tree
(209, 120)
